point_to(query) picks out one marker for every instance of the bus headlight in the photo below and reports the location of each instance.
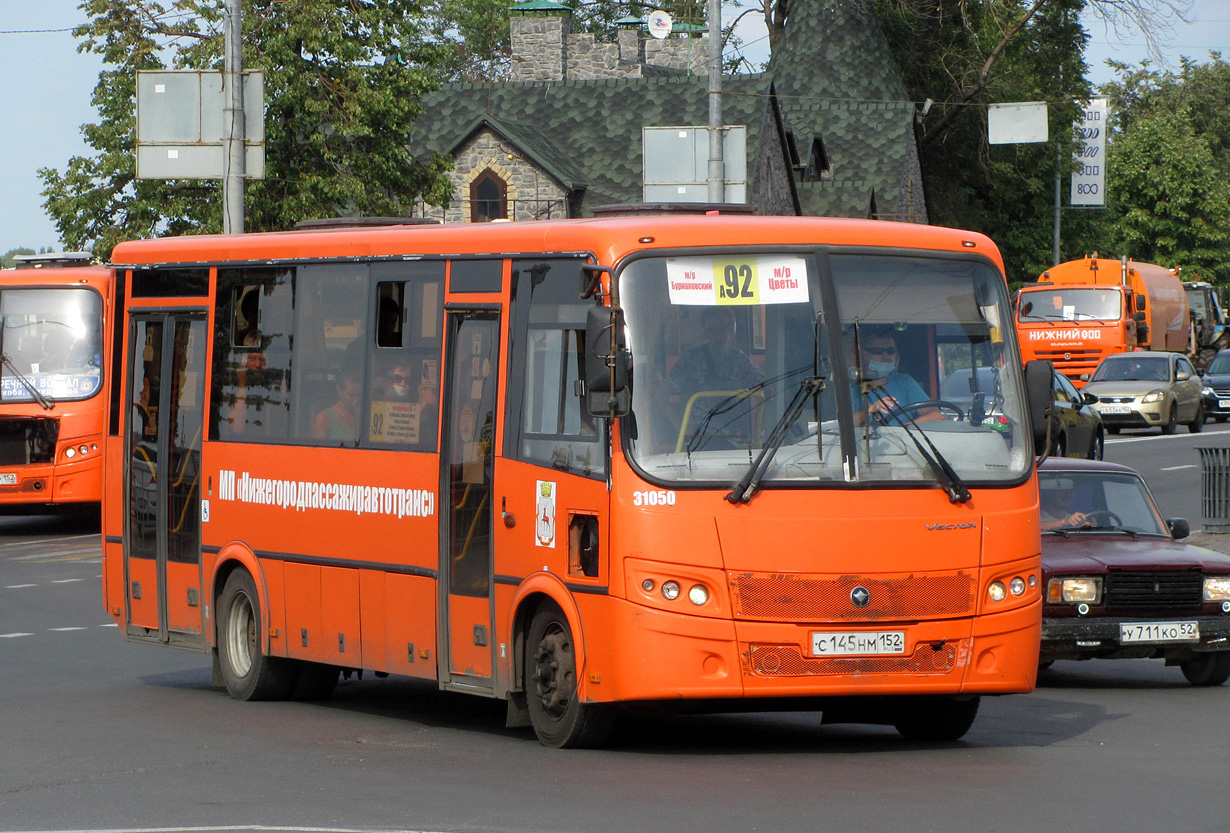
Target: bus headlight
(670, 590)
(1216, 588)
(1017, 586)
(698, 595)
(997, 591)
(1074, 590)
(70, 452)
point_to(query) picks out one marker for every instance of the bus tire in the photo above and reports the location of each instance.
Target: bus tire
(933, 718)
(559, 718)
(246, 670)
(1207, 669)
(314, 681)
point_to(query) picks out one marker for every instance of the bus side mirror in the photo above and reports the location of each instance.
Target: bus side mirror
(1140, 303)
(607, 393)
(1040, 393)
(1026, 309)
(1140, 316)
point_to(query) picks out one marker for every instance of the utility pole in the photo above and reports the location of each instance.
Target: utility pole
(233, 118)
(717, 166)
(1058, 206)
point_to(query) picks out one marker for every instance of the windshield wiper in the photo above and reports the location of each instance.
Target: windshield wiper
(42, 399)
(944, 472)
(746, 488)
(728, 404)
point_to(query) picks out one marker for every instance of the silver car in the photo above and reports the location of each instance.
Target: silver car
(1145, 389)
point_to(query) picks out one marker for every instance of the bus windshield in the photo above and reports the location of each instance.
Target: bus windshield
(52, 338)
(1100, 304)
(847, 368)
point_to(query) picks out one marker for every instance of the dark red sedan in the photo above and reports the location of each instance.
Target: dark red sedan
(1117, 580)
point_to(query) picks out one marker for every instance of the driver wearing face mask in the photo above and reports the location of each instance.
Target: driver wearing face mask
(887, 403)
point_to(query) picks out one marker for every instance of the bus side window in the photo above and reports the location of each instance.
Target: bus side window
(549, 422)
(331, 352)
(252, 359)
(404, 366)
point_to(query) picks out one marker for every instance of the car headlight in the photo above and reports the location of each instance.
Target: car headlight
(1206, 391)
(1073, 590)
(1216, 588)
(1154, 396)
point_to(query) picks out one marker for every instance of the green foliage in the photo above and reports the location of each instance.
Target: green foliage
(343, 81)
(1168, 172)
(7, 259)
(964, 56)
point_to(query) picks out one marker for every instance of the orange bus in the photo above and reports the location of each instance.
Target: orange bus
(583, 464)
(53, 338)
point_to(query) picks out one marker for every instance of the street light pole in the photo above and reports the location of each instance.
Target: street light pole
(717, 166)
(233, 117)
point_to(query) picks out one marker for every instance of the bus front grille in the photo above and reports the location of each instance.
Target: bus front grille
(27, 440)
(764, 660)
(804, 598)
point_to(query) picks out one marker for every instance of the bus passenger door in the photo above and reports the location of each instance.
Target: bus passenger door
(162, 538)
(466, 489)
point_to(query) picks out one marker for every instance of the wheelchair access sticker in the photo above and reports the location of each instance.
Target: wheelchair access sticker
(737, 281)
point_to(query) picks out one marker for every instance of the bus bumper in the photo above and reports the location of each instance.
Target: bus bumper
(668, 656)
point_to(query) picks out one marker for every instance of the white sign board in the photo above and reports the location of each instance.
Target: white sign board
(1015, 124)
(739, 280)
(180, 126)
(1089, 178)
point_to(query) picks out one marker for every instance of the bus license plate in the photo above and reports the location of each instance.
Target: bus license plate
(1159, 632)
(857, 643)
(8, 478)
(1114, 409)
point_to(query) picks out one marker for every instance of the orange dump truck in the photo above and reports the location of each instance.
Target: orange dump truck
(1081, 311)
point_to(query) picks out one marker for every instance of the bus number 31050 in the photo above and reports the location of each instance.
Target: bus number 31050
(661, 497)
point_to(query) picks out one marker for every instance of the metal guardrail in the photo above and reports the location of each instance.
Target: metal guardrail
(1215, 489)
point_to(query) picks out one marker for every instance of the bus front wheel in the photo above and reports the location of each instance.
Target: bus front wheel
(248, 673)
(558, 716)
(928, 718)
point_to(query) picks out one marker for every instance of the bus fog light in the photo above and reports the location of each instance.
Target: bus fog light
(698, 595)
(647, 585)
(85, 449)
(670, 590)
(1216, 588)
(997, 591)
(1017, 586)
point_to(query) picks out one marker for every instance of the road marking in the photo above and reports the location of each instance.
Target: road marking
(262, 828)
(109, 625)
(12, 635)
(1176, 468)
(71, 580)
(66, 629)
(19, 586)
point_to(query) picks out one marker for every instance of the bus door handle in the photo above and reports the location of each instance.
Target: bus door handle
(510, 520)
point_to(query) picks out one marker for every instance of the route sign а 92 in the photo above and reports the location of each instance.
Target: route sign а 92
(1089, 177)
(741, 280)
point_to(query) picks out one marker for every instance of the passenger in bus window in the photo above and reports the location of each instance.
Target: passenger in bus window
(887, 400)
(340, 421)
(247, 329)
(717, 364)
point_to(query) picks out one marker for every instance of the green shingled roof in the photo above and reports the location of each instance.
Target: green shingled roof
(586, 132)
(833, 73)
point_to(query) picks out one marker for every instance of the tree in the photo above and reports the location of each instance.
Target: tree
(343, 81)
(1168, 175)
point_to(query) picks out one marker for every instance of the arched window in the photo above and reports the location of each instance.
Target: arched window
(488, 197)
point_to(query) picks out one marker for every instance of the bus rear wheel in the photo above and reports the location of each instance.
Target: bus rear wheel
(558, 716)
(248, 672)
(927, 718)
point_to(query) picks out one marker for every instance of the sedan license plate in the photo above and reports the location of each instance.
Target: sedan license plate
(8, 478)
(857, 643)
(1159, 632)
(1114, 409)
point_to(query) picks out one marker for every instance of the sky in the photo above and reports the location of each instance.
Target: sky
(45, 89)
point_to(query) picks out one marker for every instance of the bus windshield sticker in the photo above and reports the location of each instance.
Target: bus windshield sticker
(737, 281)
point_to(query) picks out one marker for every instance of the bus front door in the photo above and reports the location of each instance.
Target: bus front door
(162, 536)
(470, 418)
